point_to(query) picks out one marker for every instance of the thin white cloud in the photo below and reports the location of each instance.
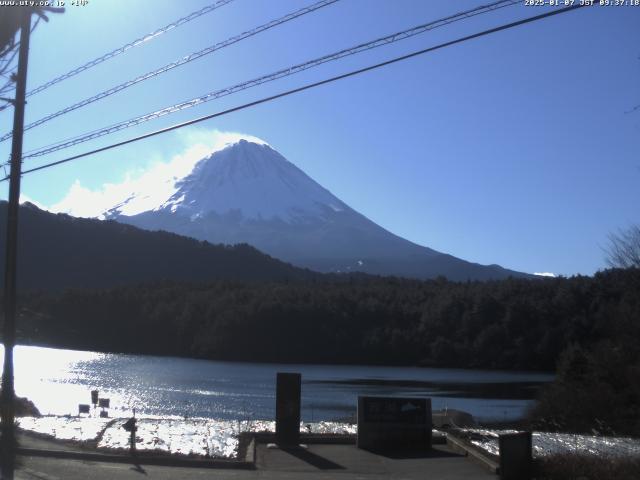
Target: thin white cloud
(545, 274)
(152, 186)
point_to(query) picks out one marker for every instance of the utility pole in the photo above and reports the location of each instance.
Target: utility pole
(8, 441)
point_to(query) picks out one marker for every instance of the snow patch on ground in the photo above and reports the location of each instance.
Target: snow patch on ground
(197, 436)
(219, 438)
(80, 429)
(546, 443)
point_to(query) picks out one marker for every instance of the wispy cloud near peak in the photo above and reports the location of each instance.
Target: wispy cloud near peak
(152, 186)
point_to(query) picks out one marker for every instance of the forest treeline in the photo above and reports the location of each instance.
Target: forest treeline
(507, 324)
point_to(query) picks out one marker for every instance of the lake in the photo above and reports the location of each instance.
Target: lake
(57, 380)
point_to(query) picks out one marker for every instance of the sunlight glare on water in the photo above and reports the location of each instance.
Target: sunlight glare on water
(48, 377)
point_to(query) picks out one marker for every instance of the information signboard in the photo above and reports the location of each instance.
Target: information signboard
(394, 423)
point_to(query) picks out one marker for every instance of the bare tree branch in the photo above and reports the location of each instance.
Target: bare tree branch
(623, 250)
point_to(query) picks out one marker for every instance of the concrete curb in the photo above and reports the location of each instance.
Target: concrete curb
(485, 461)
(248, 463)
(250, 455)
(140, 459)
(310, 438)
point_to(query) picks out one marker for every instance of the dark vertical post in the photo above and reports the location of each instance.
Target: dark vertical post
(132, 437)
(288, 386)
(515, 456)
(9, 331)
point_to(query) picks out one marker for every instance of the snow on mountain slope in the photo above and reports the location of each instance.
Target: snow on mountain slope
(249, 178)
(249, 193)
(253, 179)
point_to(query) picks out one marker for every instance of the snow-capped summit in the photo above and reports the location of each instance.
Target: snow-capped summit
(246, 178)
(247, 192)
(253, 181)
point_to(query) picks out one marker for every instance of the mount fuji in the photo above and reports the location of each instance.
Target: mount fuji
(248, 193)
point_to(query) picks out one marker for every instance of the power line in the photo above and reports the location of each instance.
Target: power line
(135, 43)
(14, 50)
(306, 87)
(182, 61)
(5, 69)
(270, 77)
(11, 74)
(11, 54)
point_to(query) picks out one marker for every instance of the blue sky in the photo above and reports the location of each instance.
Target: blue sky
(512, 149)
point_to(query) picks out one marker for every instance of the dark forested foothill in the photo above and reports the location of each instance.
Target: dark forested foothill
(58, 251)
(508, 324)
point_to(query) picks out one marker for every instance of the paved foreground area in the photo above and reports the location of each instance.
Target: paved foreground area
(349, 462)
(317, 462)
